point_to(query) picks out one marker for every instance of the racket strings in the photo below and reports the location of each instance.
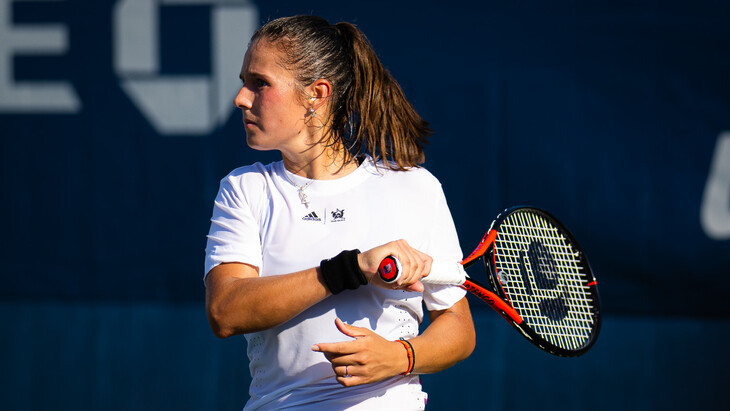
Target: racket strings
(567, 271)
(556, 304)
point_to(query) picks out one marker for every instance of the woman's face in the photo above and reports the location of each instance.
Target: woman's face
(272, 106)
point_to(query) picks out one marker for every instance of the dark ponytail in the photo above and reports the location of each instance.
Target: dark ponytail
(368, 110)
(382, 120)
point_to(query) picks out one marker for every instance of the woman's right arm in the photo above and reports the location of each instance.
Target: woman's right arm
(239, 301)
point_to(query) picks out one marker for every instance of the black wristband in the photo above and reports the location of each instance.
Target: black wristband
(343, 272)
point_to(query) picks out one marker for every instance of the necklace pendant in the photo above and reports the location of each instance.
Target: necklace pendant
(303, 198)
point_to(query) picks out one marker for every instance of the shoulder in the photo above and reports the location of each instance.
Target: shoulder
(422, 175)
(249, 184)
(417, 178)
(249, 177)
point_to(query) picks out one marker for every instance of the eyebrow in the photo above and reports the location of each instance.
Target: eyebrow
(253, 74)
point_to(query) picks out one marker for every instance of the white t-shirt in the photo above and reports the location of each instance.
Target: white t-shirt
(259, 219)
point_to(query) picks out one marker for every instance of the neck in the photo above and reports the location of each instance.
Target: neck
(328, 164)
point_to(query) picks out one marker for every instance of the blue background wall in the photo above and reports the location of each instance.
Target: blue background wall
(611, 115)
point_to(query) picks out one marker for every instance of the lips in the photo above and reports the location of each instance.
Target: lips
(248, 122)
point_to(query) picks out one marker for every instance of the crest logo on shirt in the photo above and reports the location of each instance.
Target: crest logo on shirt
(338, 215)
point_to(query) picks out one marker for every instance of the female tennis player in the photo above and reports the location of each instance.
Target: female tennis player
(294, 246)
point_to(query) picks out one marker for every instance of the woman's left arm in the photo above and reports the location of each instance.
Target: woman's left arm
(369, 358)
(449, 338)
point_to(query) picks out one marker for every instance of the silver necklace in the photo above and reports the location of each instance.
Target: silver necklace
(300, 190)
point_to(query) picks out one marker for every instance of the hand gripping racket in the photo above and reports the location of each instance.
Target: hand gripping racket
(541, 282)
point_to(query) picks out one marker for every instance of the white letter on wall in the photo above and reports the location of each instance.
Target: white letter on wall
(36, 96)
(715, 208)
(181, 105)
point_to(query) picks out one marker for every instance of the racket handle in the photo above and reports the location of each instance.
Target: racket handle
(441, 273)
(390, 269)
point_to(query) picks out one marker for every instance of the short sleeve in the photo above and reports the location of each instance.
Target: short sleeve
(444, 248)
(234, 234)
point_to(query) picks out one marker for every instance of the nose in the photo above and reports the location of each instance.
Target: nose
(243, 98)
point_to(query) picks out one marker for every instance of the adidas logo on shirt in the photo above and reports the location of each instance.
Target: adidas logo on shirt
(311, 217)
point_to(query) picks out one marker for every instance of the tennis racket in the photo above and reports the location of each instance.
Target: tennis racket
(540, 279)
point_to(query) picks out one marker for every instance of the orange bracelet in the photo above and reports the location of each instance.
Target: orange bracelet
(411, 355)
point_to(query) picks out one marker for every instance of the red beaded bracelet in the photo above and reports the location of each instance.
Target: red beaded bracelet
(411, 355)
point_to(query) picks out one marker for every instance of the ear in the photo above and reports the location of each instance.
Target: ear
(319, 91)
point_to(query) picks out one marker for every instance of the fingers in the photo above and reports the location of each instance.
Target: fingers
(348, 375)
(351, 330)
(353, 369)
(415, 265)
(344, 372)
(372, 361)
(345, 360)
(333, 350)
(360, 361)
(417, 287)
(351, 379)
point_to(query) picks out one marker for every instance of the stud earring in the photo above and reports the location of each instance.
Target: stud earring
(312, 112)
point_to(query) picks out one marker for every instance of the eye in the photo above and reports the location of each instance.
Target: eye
(254, 81)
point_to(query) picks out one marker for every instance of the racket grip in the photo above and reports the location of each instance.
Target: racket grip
(390, 269)
(441, 273)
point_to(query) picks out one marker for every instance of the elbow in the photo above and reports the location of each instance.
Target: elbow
(470, 341)
(226, 322)
(218, 323)
(221, 332)
(469, 347)
(469, 336)
(468, 344)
